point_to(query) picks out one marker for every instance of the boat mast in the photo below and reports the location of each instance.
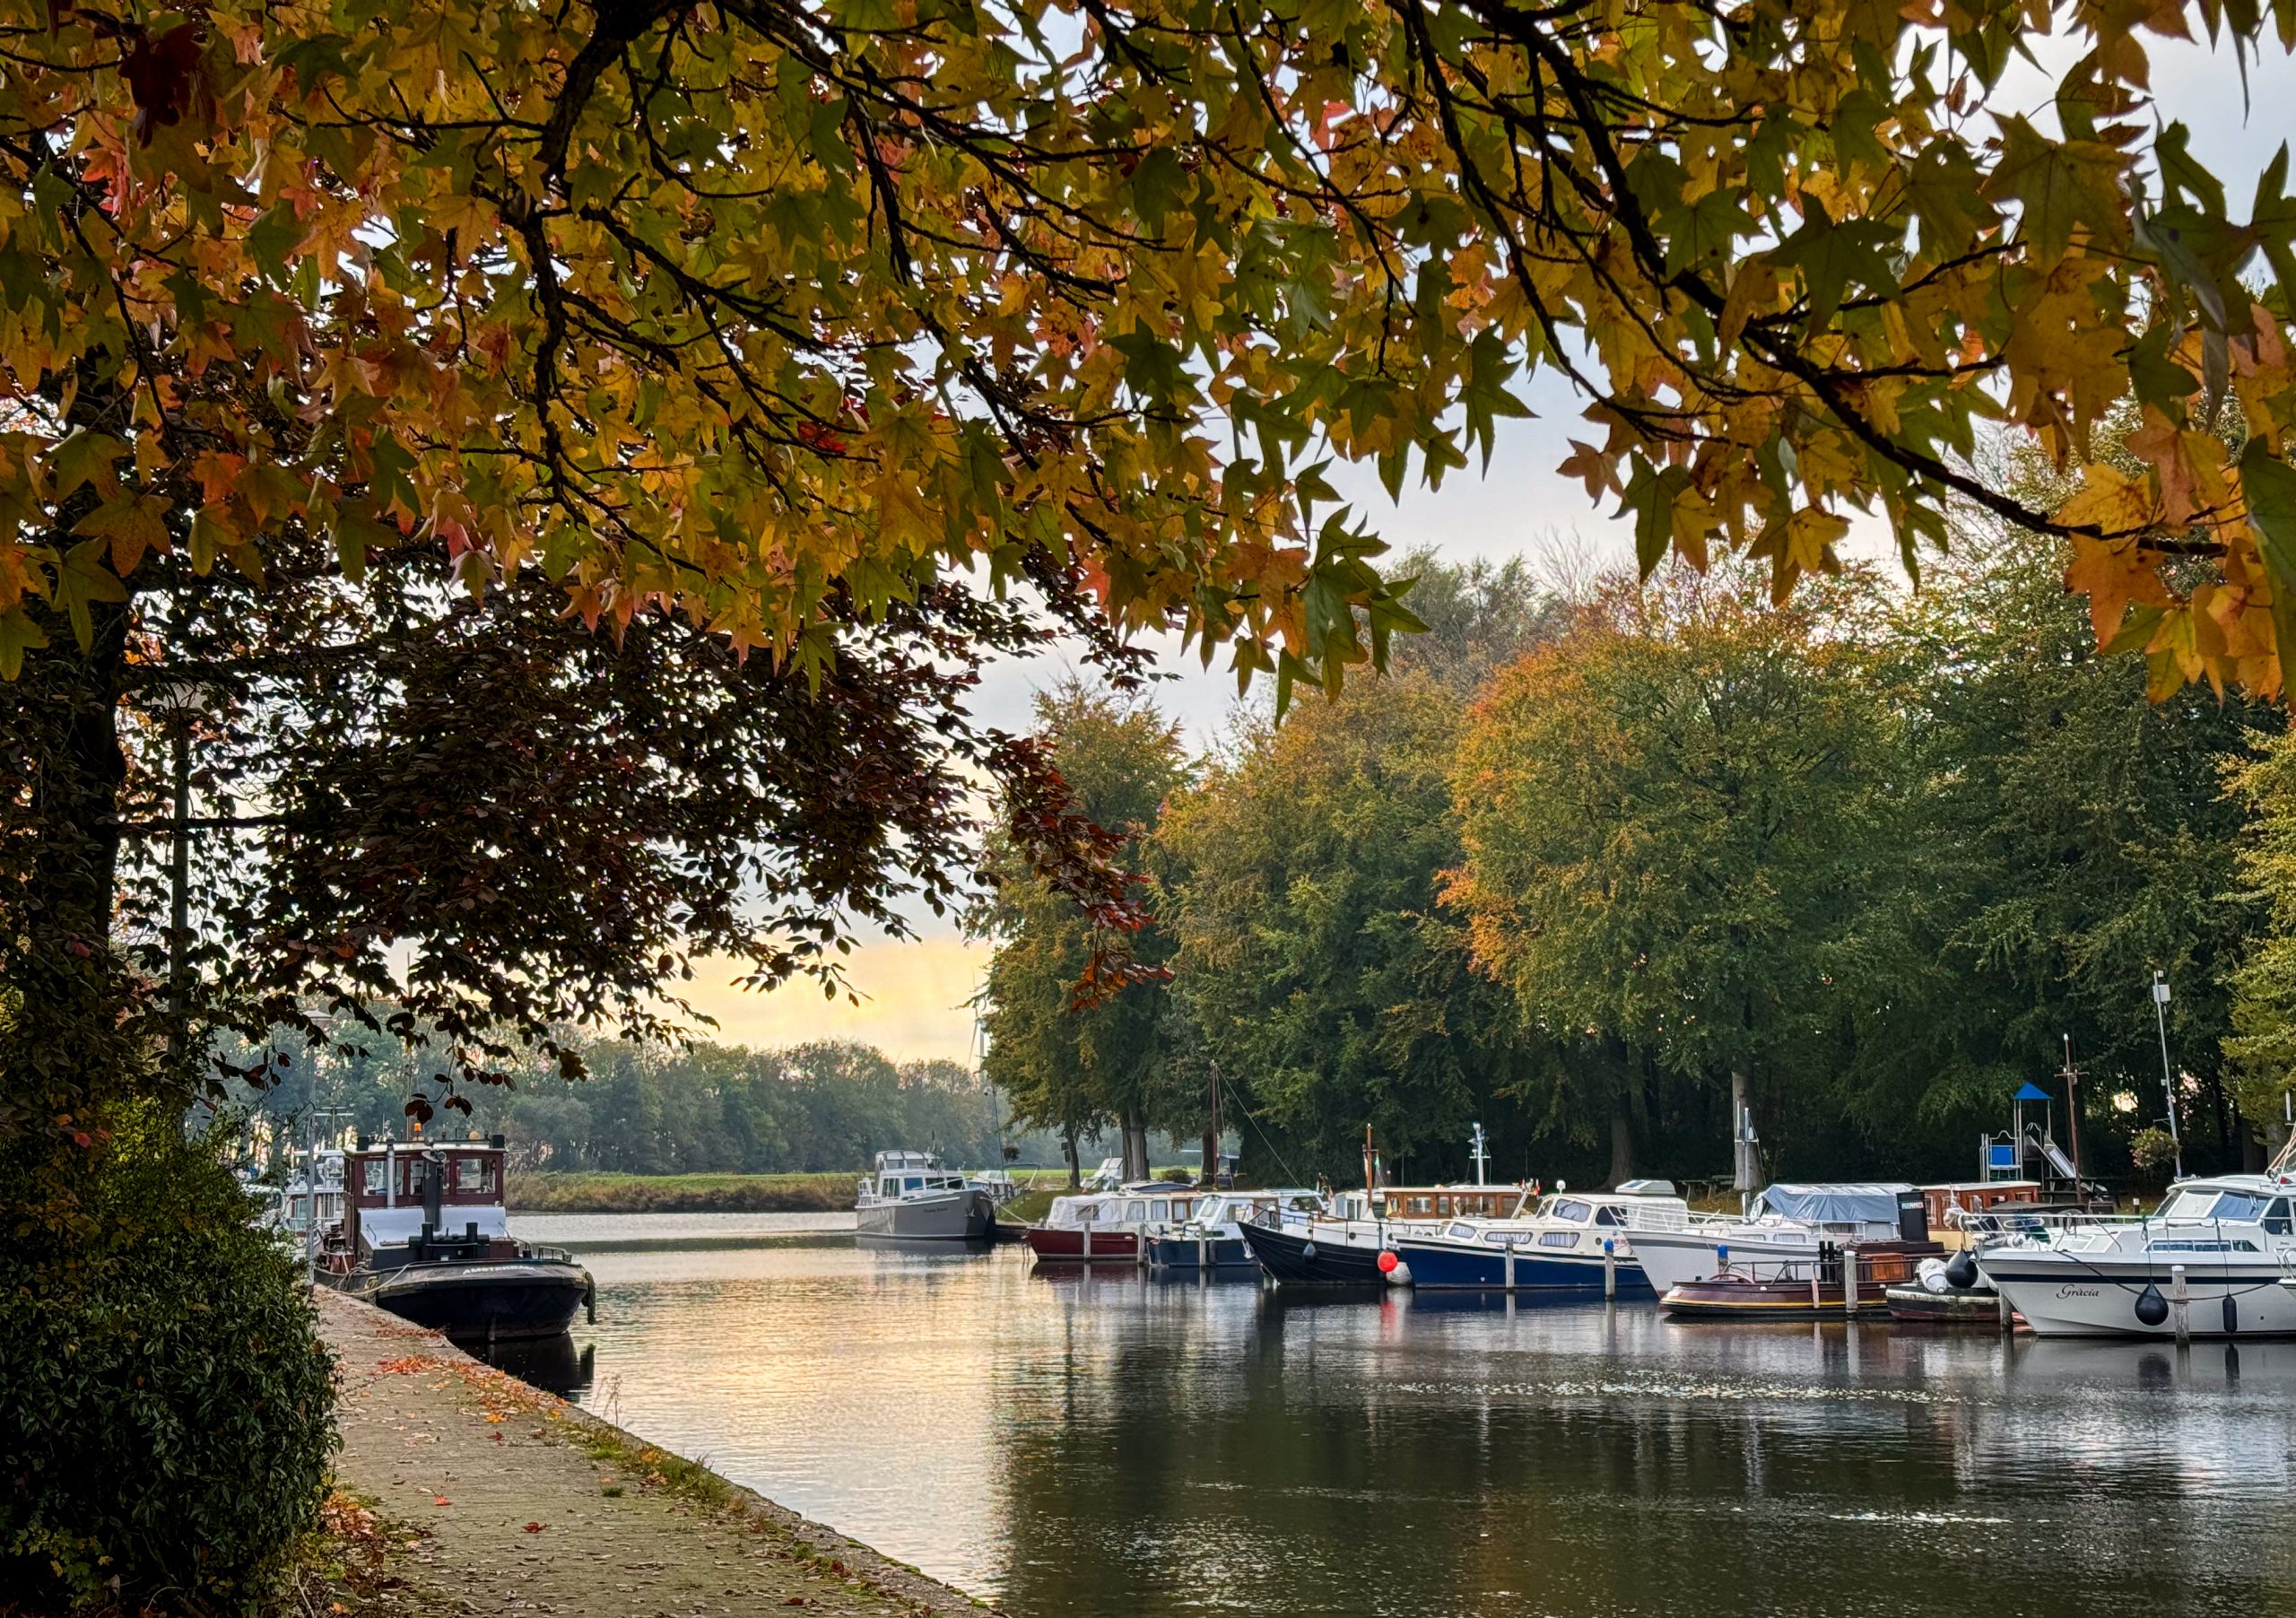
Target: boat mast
(1481, 1156)
(2072, 1077)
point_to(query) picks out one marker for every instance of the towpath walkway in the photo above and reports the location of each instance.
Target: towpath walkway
(494, 1497)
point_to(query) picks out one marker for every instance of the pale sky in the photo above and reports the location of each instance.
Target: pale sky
(915, 990)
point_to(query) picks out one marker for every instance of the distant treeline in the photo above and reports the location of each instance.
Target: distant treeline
(821, 1108)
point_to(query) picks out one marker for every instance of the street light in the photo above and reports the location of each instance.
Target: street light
(2168, 1079)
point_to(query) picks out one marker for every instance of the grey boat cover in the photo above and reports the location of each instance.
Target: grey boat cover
(1873, 1205)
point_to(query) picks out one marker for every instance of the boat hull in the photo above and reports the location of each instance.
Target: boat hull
(1192, 1254)
(1081, 1244)
(2098, 1299)
(1916, 1305)
(1455, 1264)
(494, 1299)
(957, 1216)
(1738, 1298)
(1294, 1256)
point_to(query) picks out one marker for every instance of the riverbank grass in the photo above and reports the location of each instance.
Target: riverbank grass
(534, 1191)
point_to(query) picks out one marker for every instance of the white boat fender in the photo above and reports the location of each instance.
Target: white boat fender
(1308, 1248)
(1930, 1273)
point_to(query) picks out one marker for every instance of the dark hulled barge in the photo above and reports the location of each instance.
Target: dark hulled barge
(425, 1235)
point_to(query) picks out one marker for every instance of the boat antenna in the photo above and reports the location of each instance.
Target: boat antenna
(1481, 1156)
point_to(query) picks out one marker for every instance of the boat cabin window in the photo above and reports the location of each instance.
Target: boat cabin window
(1461, 1233)
(1160, 1209)
(1573, 1211)
(1559, 1239)
(2240, 1206)
(1136, 1209)
(1610, 1216)
(2276, 1218)
(474, 1173)
(372, 1180)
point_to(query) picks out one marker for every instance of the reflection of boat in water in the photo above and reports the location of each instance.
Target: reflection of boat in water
(424, 1235)
(1574, 1242)
(553, 1365)
(909, 1196)
(2218, 1259)
(1211, 1238)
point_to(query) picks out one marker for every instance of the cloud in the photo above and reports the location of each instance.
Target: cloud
(913, 995)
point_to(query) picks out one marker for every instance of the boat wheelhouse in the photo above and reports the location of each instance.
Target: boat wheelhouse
(425, 1235)
(2216, 1259)
(910, 1196)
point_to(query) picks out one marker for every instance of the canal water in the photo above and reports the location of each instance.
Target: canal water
(1064, 1444)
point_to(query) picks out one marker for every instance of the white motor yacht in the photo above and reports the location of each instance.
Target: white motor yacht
(2216, 1259)
(909, 1196)
(1784, 1227)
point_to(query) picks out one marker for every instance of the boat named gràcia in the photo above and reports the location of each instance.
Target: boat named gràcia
(424, 1234)
(2217, 1259)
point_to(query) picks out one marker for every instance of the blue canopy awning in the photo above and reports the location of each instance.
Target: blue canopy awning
(2031, 1092)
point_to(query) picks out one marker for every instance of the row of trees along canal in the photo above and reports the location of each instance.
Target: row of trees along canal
(1594, 856)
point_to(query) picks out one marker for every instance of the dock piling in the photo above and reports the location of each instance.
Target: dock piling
(1849, 1279)
(2180, 1304)
(1609, 1269)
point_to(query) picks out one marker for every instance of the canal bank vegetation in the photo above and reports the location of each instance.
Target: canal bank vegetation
(542, 1192)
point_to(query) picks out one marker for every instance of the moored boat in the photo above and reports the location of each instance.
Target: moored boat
(1572, 1242)
(1105, 1227)
(1352, 1243)
(1211, 1238)
(1787, 1225)
(424, 1234)
(2217, 1259)
(909, 1196)
(1813, 1288)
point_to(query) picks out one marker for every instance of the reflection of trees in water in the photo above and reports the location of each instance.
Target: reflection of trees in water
(1386, 1456)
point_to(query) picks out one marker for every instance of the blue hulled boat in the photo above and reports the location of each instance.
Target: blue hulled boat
(1573, 1243)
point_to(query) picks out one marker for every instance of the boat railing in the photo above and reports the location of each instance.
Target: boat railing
(550, 1255)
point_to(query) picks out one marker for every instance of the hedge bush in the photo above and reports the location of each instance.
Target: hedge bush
(166, 1408)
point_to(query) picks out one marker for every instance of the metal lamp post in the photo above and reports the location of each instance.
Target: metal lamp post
(2168, 1078)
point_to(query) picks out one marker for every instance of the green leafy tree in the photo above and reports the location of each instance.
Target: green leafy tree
(1680, 823)
(2075, 836)
(1067, 1060)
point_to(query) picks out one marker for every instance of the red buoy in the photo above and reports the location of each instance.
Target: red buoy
(1387, 1262)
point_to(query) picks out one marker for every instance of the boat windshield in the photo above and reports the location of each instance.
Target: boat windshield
(1572, 1212)
(2206, 1201)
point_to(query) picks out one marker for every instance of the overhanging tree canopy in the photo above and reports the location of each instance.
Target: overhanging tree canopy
(733, 308)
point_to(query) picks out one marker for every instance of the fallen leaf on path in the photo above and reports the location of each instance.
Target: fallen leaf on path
(533, 1527)
(441, 1500)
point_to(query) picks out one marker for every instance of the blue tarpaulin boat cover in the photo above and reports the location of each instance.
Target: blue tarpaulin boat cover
(1835, 1204)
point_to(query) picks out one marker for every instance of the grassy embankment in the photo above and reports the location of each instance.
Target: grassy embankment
(585, 1192)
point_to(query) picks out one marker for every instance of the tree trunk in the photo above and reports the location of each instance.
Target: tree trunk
(1133, 1135)
(1622, 1138)
(1068, 1147)
(69, 1046)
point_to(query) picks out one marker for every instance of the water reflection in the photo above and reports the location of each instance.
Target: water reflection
(1069, 1442)
(553, 1365)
